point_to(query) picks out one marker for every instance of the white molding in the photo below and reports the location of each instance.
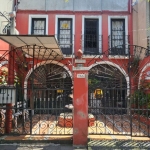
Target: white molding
(37, 16)
(118, 57)
(2, 63)
(100, 28)
(73, 25)
(80, 68)
(92, 56)
(144, 68)
(126, 25)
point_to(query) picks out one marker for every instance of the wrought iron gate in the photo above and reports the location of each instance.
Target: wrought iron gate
(41, 113)
(116, 98)
(41, 90)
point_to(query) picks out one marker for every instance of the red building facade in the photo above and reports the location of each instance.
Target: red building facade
(110, 64)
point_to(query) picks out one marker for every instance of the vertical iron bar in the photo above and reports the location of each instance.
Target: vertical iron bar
(113, 109)
(32, 90)
(129, 71)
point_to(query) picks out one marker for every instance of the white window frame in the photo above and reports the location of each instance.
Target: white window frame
(126, 27)
(100, 28)
(57, 17)
(37, 16)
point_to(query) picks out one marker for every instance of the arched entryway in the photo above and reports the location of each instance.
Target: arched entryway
(107, 89)
(51, 83)
(121, 105)
(43, 86)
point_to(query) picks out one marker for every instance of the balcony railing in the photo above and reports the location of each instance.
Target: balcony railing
(118, 44)
(66, 43)
(91, 44)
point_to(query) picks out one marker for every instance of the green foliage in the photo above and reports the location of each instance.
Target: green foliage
(140, 98)
(93, 82)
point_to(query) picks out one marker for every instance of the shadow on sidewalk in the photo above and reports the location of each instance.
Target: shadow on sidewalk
(118, 145)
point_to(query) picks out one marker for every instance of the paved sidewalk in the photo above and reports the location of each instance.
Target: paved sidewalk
(36, 146)
(118, 145)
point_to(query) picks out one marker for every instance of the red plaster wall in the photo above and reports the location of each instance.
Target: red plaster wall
(22, 23)
(23, 18)
(3, 47)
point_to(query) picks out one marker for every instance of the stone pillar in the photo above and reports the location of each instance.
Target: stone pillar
(80, 103)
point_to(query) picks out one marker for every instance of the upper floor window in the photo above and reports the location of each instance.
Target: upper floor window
(38, 26)
(118, 40)
(91, 35)
(118, 36)
(65, 35)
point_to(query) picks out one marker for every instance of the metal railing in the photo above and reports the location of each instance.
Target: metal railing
(35, 111)
(118, 44)
(66, 43)
(91, 44)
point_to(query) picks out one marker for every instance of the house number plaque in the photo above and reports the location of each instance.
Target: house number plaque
(81, 75)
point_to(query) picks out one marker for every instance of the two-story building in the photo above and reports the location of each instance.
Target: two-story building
(47, 54)
(95, 28)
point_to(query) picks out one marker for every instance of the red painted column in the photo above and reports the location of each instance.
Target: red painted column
(8, 124)
(80, 103)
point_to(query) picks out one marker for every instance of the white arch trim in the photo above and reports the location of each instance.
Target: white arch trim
(3, 63)
(145, 67)
(36, 66)
(118, 67)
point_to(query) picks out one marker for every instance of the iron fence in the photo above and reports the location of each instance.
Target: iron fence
(37, 111)
(115, 114)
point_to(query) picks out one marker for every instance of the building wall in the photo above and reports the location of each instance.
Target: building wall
(78, 9)
(23, 24)
(5, 8)
(148, 18)
(74, 5)
(140, 23)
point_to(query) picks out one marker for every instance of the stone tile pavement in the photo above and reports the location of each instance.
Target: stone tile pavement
(35, 146)
(118, 145)
(96, 142)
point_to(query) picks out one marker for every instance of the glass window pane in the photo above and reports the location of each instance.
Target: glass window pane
(38, 26)
(65, 32)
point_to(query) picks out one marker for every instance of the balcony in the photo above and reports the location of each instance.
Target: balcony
(66, 42)
(118, 44)
(91, 44)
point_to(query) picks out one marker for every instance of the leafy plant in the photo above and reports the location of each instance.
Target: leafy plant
(93, 81)
(139, 98)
